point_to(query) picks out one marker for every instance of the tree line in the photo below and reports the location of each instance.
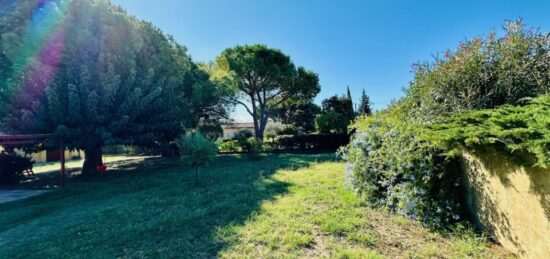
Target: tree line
(94, 76)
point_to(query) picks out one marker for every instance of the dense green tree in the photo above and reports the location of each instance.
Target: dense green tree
(264, 78)
(102, 77)
(300, 114)
(339, 104)
(332, 123)
(364, 105)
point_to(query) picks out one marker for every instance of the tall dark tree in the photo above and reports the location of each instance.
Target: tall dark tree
(105, 78)
(337, 114)
(349, 97)
(264, 78)
(364, 105)
(339, 104)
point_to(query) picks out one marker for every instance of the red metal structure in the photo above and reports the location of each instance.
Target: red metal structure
(18, 140)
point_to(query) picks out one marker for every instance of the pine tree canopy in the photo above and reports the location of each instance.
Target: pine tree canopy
(94, 76)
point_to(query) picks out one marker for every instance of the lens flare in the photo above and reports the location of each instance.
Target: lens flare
(39, 56)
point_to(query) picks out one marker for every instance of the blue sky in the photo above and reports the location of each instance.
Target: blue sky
(367, 45)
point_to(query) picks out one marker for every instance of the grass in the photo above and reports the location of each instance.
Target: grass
(284, 206)
(77, 163)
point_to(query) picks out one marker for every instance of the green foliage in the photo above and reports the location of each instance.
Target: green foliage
(275, 129)
(229, 146)
(265, 78)
(243, 135)
(485, 72)
(393, 169)
(339, 104)
(254, 148)
(117, 80)
(311, 142)
(272, 208)
(517, 128)
(332, 122)
(298, 113)
(337, 114)
(399, 158)
(212, 130)
(364, 105)
(195, 150)
(243, 141)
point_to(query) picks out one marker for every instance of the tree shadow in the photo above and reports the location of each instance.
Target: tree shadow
(501, 164)
(149, 209)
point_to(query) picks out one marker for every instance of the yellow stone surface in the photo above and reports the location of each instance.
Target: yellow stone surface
(511, 201)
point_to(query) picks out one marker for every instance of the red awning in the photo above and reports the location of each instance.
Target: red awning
(12, 140)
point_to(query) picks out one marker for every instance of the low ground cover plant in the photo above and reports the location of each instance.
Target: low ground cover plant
(515, 129)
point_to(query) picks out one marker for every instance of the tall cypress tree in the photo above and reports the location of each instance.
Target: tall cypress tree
(350, 99)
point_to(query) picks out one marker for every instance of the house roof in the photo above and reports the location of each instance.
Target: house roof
(22, 139)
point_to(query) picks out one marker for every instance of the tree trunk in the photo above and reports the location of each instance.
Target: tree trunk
(93, 158)
(255, 116)
(263, 124)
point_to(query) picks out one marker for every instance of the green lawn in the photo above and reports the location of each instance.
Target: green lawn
(77, 163)
(283, 206)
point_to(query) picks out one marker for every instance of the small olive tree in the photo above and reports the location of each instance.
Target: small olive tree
(196, 151)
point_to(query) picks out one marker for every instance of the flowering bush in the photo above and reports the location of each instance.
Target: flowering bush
(392, 169)
(401, 158)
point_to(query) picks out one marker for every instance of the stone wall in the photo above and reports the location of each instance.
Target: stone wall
(509, 201)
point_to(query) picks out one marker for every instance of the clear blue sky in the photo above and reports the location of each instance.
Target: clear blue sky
(363, 44)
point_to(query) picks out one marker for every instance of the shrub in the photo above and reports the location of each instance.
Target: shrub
(320, 142)
(391, 168)
(229, 146)
(242, 135)
(288, 129)
(485, 72)
(276, 129)
(399, 158)
(196, 151)
(12, 167)
(254, 148)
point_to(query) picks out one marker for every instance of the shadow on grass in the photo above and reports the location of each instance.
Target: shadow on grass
(146, 209)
